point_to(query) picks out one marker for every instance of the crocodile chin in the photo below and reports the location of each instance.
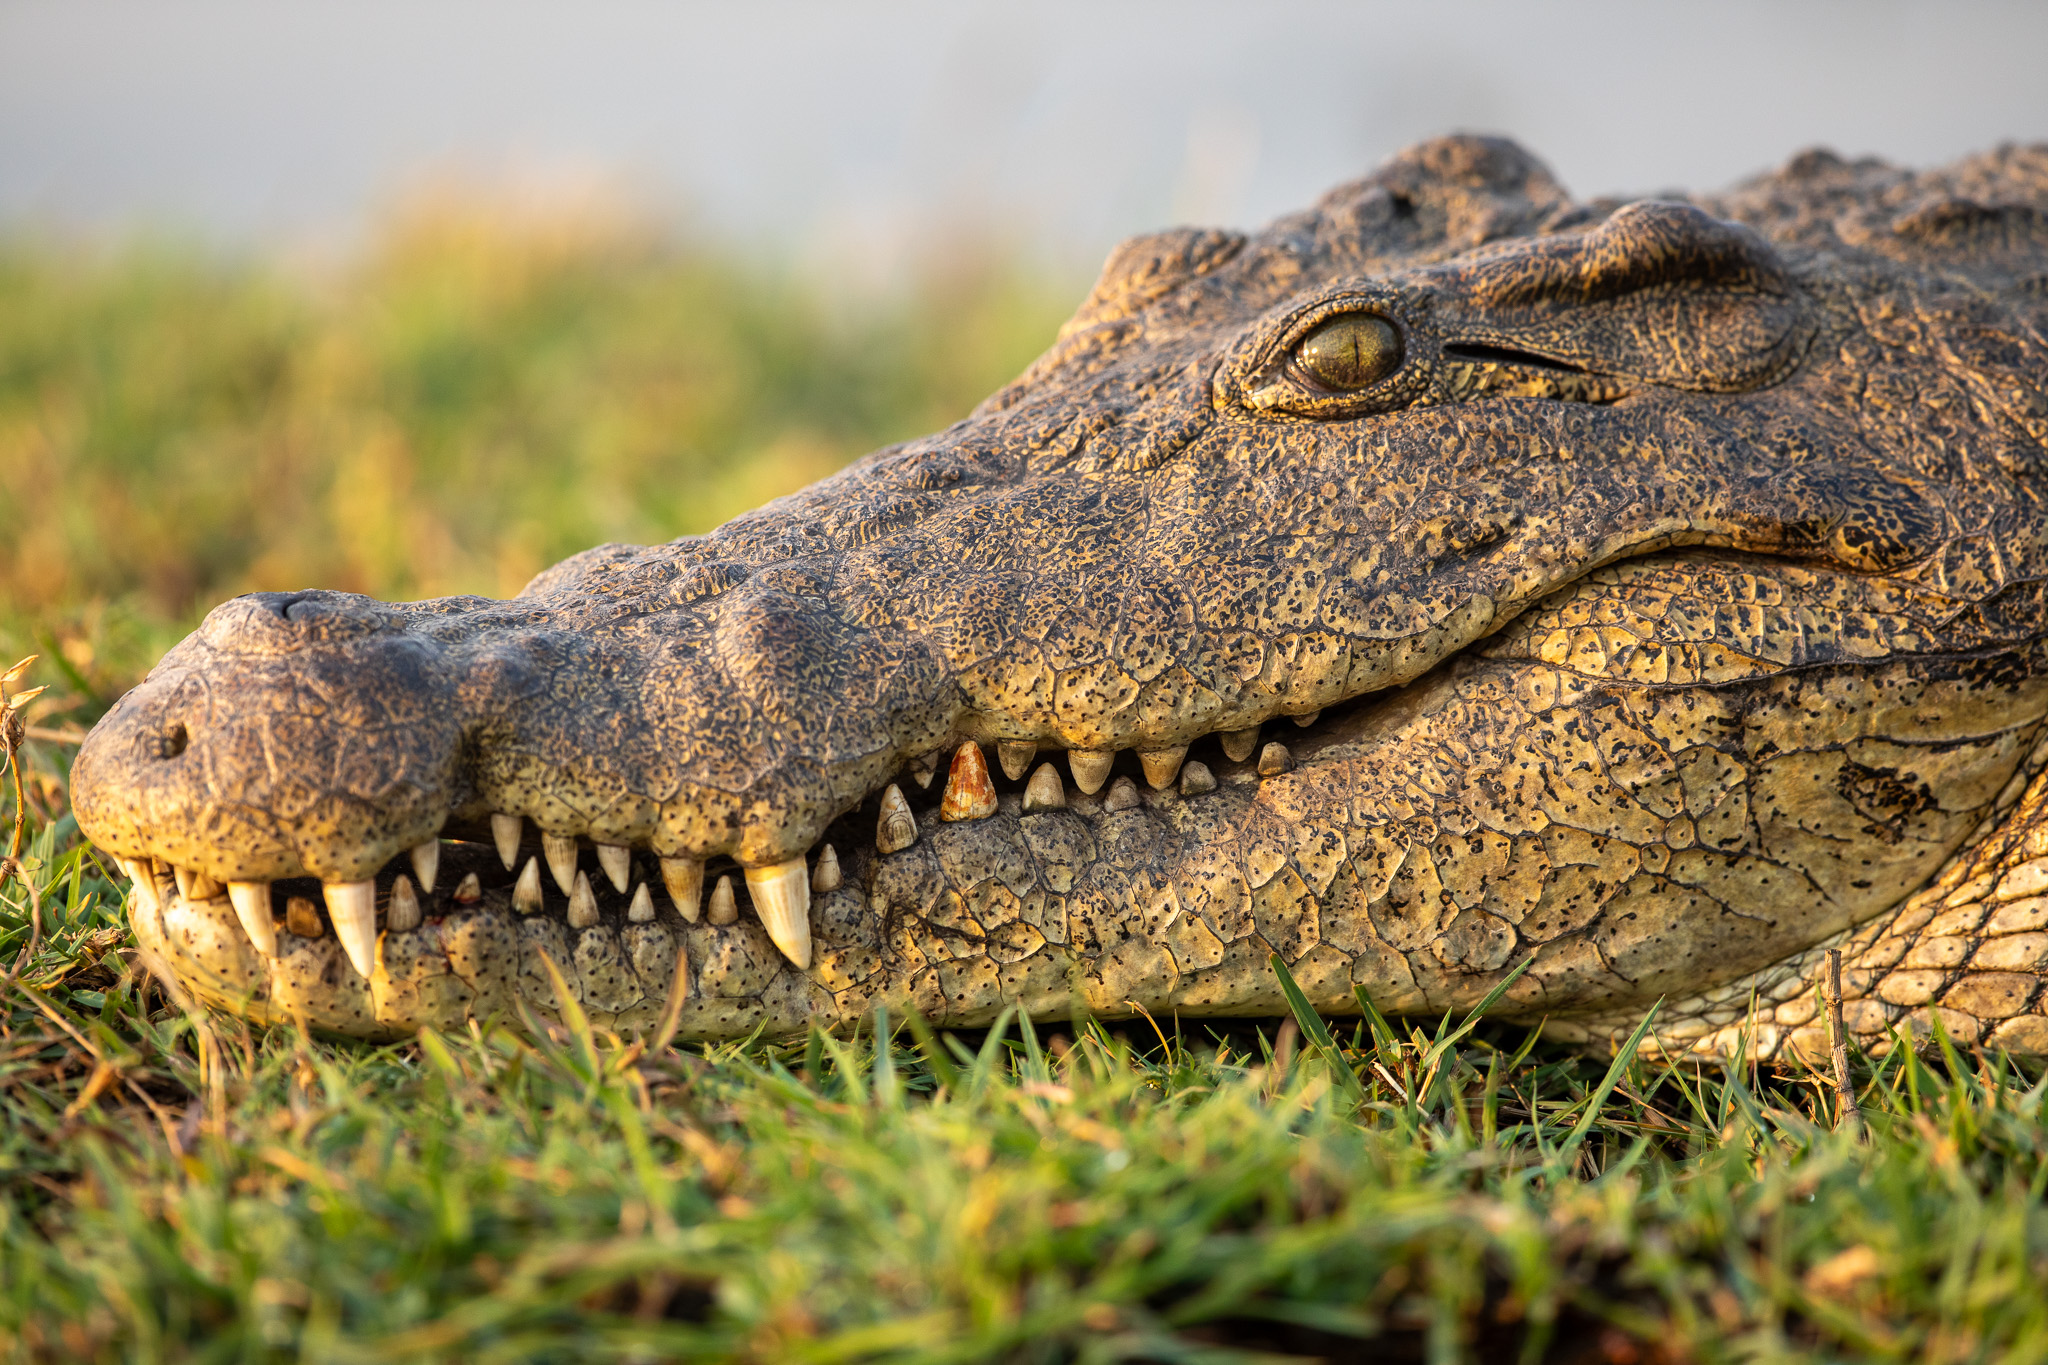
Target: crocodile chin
(1444, 577)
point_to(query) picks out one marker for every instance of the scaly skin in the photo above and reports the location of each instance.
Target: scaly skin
(1674, 609)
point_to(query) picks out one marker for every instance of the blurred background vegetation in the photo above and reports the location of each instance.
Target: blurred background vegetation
(481, 389)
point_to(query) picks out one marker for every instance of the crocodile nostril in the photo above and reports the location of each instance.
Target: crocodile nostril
(172, 740)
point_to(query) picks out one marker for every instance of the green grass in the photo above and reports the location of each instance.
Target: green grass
(467, 402)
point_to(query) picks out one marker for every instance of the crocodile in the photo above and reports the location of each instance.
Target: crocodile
(1449, 581)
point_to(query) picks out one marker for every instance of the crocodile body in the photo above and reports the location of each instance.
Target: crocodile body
(1449, 574)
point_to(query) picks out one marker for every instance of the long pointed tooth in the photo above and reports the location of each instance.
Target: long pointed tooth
(402, 911)
(1195, 779)
(302, 917)
(1045, 791)
(1015, 755)
(724, 910)
(526, 897)
(506, 831)
(560, 851)
(426, 864)
(641, 911)
(896, 828)
(1238, 744)
(353, 908)
(469, 890)
(184, 877)
(252, 907)
(1123, 795)
(969, 794)
(782, 898)
(582, 903)
(1161, 765)
(144, 878)
(684, 878)
(1090, 768)
(924, 769)
(617, 862)
(1274, 759)
(825, 876)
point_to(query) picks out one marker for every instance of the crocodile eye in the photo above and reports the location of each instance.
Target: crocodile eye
(1349, 352)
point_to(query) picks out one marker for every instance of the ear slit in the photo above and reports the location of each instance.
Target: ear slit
(1479, 353)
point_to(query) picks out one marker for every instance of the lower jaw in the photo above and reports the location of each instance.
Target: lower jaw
(634, 957)
(473, 955)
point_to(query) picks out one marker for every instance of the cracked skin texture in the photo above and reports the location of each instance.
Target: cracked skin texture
(1674, 607)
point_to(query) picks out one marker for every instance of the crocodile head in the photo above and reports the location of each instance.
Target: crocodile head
(1444, 575)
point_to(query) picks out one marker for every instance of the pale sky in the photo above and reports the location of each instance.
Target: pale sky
(791, 123)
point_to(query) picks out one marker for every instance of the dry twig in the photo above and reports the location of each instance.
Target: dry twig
(1847, 1115)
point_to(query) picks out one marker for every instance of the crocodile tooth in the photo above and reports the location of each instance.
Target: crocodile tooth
(353, 908)
(825, 877)
(1123, 794)
(1090, 768)
(782, 898)
(1238, 744)
(684, 878)
(896, 830)
(723, 908)
(426, 864)
(505, 833)
(183, 876)
(969, 794)
(617, 862)
(924, 769)
(560, 851)
(641, 911)
(1045, 791)
(1015, 755)
(1307, 718)
(302, 917)
(402, 911)
(526, 897)
(204, 888)
(469, 890)
(1274, 759)
(1161, 765)
(144, 878)
(582, 903)
(252, 907)
(1196, 779)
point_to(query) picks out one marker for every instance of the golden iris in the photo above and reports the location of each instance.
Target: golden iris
(1350, 351)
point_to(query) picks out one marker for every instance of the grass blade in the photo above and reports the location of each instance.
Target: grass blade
(1620, 1065)
(1317, 1032)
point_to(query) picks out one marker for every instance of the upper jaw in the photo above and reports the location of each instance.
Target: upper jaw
(711, 699)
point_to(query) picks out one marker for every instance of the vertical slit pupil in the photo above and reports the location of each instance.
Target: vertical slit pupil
(1351, 351)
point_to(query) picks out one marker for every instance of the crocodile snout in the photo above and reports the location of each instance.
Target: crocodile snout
(293, 735)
